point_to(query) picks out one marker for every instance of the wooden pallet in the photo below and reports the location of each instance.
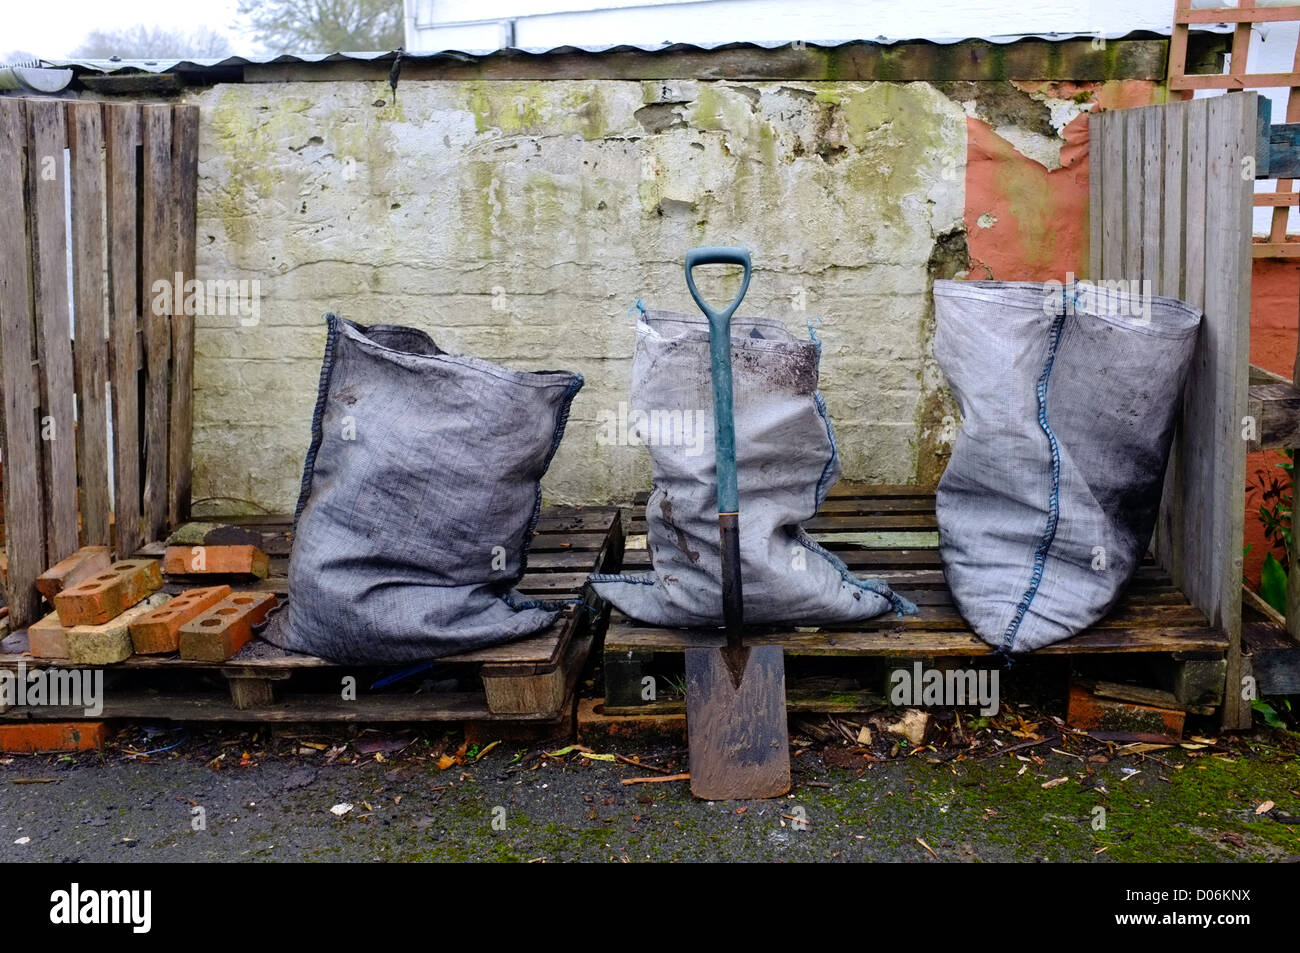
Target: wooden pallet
(890, 533)
(131, 183)
(530, 681)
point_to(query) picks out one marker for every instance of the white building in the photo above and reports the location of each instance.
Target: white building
(473, 25)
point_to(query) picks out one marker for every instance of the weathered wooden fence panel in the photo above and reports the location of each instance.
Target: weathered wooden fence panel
(107, 190)
(1171, 198)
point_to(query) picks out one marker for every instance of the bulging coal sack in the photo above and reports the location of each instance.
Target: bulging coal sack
(1069, 396)
(419, 497)
(786, 461)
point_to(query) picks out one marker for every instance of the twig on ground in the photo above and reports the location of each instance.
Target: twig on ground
(669, 777)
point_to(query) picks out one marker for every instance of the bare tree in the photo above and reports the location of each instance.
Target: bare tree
(17, 56)
(142, 42)
(325, 26)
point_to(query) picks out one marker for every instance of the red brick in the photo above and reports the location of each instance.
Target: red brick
(86, 562)
(595, 728)
(209, 560)
(159, 630)
(33, 736)
(225, 628)
(48, 638)
(109, 594)
(1087, 712)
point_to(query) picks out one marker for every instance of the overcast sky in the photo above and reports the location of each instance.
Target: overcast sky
(55, 29)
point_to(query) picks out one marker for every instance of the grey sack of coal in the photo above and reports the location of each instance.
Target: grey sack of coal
(1069, 397)
(419, 496)
(786, 461)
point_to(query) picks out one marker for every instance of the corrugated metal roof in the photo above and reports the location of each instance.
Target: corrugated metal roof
(167, 65)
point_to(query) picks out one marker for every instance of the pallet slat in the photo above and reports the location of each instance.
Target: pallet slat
(185, 163)
(922, 643)
(24, 525)
(46, 182)
(122, 201)
(157, 249)
(89, 188)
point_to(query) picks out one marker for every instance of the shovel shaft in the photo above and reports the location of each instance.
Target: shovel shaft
(733, 600)
(724, 429)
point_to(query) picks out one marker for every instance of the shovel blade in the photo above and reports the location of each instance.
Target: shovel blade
(739, 741)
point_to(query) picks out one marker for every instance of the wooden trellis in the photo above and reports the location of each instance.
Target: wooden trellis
(1239, 78)
(109, 190)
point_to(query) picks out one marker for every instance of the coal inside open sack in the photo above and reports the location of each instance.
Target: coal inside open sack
(1069, 397)
(786, 461)
(419, 496)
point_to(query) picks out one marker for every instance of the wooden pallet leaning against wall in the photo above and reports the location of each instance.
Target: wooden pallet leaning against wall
(890, 533)
(1170, 205)
(1272, 648)
(529, 681)
(127, 183)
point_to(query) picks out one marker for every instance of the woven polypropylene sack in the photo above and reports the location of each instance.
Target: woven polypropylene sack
(419, 497)
(1069, 398)
(786, 462)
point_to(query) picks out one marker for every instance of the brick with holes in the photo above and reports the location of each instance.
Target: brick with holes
(211, 560)
(86, 562)
(226, 628)
(160, 630)
(107, 595)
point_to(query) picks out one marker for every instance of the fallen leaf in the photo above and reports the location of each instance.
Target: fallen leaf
(382, 744)
(484, 752)
(338, 810)
(1054, 782)
(928, 847)
(445, 762)
(1265, 807)
(1026, 730)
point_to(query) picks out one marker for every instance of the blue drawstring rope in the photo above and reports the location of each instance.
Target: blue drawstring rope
(815, 322)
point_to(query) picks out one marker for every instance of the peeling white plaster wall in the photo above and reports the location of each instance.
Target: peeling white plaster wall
(519, 221)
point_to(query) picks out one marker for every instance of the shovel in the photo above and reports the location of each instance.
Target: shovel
(735, 694)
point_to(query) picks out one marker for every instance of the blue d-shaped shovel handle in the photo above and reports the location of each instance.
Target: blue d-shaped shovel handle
(720, 359)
